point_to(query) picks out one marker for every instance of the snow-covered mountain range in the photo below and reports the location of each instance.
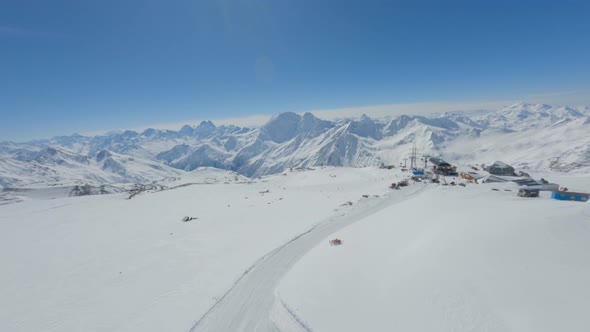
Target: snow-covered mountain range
(533, 136)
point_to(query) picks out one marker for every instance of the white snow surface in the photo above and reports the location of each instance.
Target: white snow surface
(257, 258)
(452, 259)
(108, 263)
(251, 304)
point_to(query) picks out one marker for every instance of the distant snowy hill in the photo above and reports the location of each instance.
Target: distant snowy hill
(534, 136)
(56, 166)
(524, 116)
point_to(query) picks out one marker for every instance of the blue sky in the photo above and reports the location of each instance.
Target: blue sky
(82, 66)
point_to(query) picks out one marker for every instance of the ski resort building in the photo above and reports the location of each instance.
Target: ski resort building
(442, 167)
(570, 196)
(500, 168)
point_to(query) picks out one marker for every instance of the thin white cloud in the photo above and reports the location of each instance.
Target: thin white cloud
(553, 94)
(428, 108)
(390, 110)
(570, 98)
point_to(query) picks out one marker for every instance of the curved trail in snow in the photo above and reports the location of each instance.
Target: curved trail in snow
(249, 304)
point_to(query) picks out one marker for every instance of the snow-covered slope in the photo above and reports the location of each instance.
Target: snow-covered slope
(54, 166)
(561, 147)
(428, 257)
(470, 261)
(524, 116)
(534, 135)
(107, 263)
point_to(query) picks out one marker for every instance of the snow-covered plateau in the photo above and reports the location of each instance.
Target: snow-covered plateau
(256, 256)
(469, 259)
(228, 229)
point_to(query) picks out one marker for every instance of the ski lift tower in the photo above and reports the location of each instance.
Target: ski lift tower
(413, 163)
(425, 158)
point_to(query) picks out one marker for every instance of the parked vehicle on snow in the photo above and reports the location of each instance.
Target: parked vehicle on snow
(335, 242)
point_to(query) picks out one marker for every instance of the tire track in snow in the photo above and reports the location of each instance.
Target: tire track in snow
(246, 306)
(302, 325)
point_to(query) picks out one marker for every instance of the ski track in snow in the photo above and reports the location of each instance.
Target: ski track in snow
(247, 305)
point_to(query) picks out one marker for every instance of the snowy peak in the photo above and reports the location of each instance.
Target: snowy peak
(441, 123)
(186, 130)
(281, 127)
(462, 119)
(148, 132)
(526, 108)
(366, 127)
(204, 129)
(311, 126)
(128, 134)
(397, 124)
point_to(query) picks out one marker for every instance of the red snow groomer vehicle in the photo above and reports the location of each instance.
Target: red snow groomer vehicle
(335, 242)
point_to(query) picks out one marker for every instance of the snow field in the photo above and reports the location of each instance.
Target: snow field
(451, 259)
(105, 263)
(252, 305)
